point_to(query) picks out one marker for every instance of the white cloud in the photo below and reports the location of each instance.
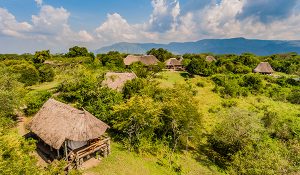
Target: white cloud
(10, 26)
(116, 27)
(168, 22)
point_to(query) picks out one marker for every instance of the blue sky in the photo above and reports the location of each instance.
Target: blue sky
(29, 25)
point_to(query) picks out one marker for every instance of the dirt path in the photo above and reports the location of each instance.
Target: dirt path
(21, 126)
(22, 120)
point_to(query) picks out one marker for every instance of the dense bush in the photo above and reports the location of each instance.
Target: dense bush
(29, 75)
(294, 96)
(112, 60)
(46, 73)
(238, 129)
(77, 51)
(85, 91)
(35, 100)
(161, 54)
(41, 56)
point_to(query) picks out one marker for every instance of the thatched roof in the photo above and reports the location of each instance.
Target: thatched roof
(264, 67)
(57, 122)
(145, 59)
(173, 62)
(117, 80)
(210, 59)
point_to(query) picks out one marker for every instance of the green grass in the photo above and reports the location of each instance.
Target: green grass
(123, 162)
(45, 86)
(168, 79)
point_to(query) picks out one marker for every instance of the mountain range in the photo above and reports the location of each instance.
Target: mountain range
(216, 46)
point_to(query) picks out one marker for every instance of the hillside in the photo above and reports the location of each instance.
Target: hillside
(213, 118)
(217, 46)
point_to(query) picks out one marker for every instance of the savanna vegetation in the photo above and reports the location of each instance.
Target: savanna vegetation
(216, 118)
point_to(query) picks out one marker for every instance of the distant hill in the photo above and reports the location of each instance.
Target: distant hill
(217, 46)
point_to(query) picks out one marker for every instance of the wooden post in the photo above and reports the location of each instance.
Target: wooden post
(66, 149)
(58, 153)
(108, 146)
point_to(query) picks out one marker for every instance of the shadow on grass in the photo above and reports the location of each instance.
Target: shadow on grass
(186, 75)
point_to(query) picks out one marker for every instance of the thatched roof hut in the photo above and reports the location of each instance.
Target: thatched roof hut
(264, 68)
(210, 59)
(57, 122)
(173, 62)
(116, 81)
(145, 59)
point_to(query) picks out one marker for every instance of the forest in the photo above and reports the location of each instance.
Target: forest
(213, 118)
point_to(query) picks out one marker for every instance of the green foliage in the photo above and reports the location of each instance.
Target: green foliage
(161, 54)
(34, 101)
(41, 56)
(137, 119)
(267, 157)
(27, 72)
(294, 96)
(253, 82)
(133, 87)
(46, 73)
(199, 66)
(77, 51)
(16, 154)
(112, 60)
(11, 92)
(85, 91)
(139, 69)
(238, 129)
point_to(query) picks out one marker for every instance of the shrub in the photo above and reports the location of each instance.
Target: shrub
(35, 100)
(267, 157)
(200, 84)
(46, 73)
(238, 129)
(229, 103)
(29, 75)
(253, 82)
(41, 56)
(294, 96)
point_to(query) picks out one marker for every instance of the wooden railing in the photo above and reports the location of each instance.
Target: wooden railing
(93, 147)
(76, 156)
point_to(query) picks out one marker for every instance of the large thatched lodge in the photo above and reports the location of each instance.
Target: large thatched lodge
(264, 68)
(147, 60)
(174, 64)
(67, 133)
(116, 81)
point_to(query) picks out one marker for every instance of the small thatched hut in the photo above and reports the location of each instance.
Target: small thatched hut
(173, 63)
(210, 59)
(116, 81)
(73, 133)
(147, 60)
(264, 68)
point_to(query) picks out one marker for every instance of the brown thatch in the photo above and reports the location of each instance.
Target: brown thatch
(117, 80)
(57, 122)
(264, 67)
(210, 59)
(173, 62)
(145, 59)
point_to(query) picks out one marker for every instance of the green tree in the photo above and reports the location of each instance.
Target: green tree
(238, 129)
(266, 157)
(77, 51)
(112, 59)
(161, 54)
(137, 119)
(46, 73)
(41, 56)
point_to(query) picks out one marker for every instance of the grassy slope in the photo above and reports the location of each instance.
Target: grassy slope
(123, 162)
